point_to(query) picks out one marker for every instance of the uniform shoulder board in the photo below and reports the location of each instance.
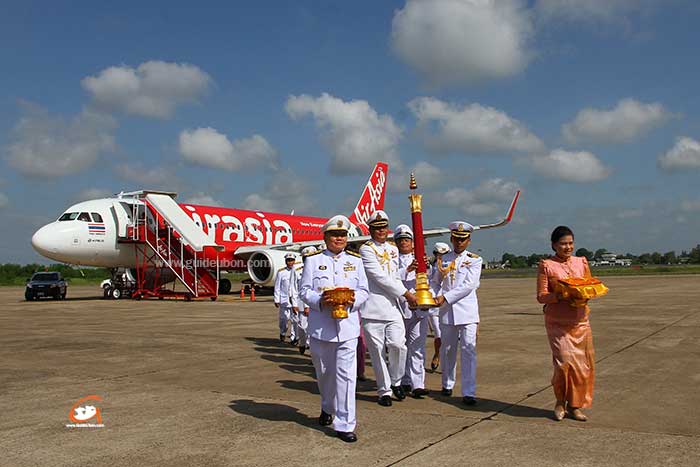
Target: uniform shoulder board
(368, 242)
(472, 255)
(353, 253)
(391, 242)
(282, 269)
(314, 254)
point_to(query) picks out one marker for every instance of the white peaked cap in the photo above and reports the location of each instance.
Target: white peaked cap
(441, 248)
(338, 222)
(403, 231)
(308, 250)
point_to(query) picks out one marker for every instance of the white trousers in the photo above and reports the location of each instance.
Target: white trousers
(392, 335)
(336, 373)
(459, 338)
(303, 324)
(435, 324)
(416, 334)
(288, 318)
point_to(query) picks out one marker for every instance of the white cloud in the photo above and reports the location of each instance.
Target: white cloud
(628, 121)
(4, 200)
(473, 128)
(685, 154)
(591, 10)
(490, 197)
(208, 147)
(427, 176)
(154, 89)
(92, 193)
(202, 199)
(463, 41)
(691, 205)
(285, 191)
(156, 177)
(51, 146)
(579, 167)
(356, 135)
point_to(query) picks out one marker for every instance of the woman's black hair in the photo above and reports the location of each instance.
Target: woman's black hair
(560, 232)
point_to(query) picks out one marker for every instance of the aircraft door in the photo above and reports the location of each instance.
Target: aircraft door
(122, 219)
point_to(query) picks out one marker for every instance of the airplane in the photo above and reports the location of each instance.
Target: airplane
(98, 233)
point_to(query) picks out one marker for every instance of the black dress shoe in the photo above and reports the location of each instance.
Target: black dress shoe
(418, 393)
(398, 392)
(385, 401)
(406, 388)
(281, 337)
(325, 419)
(347, 436)
(469, 400)
(446, 392)
(294, 342)
(361, 378)
(302, 349)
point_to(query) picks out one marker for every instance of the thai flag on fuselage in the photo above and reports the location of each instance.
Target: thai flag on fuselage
(96, 228)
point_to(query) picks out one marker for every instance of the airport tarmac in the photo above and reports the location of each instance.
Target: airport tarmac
(208, 383)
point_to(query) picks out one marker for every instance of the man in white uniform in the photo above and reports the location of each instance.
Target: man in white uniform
(303, 314)
(415, 321)
(455, 284)
(439, 249)
(382, 319)
(285, 298)
(334, 341)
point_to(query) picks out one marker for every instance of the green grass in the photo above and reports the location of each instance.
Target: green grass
(640, 270)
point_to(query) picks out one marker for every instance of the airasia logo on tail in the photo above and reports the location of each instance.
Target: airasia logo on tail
(373, 196)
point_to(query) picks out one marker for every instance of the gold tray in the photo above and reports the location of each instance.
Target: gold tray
(579, 290)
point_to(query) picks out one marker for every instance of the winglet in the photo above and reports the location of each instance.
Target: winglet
(506, 220)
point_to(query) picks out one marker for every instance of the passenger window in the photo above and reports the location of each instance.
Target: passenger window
(84, 216)
(96, 217)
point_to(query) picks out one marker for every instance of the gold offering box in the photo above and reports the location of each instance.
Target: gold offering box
(339, 298)
(579, 290)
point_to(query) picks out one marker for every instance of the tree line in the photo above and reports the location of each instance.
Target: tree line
(686, 257)
(12, 273)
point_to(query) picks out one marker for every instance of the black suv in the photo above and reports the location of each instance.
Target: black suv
(46, 284)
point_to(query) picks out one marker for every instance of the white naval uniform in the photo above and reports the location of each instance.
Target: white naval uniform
(434, 316)
(334, 341)
(286, 298)
(416, 322)
(302, 319)
(459, 317)
(382, 319)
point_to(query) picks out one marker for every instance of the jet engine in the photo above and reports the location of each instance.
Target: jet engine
(264, 264)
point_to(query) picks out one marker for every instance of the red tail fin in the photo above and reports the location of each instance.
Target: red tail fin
(372, 198)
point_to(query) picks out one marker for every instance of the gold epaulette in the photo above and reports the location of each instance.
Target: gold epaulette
(472, 255)
(313, 254)
(352, 253)
(282, 269)
(368, 243)
(391, 242)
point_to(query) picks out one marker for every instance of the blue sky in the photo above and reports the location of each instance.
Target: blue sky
(589, 107)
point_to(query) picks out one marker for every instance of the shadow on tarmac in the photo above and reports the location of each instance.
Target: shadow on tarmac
(277, 413)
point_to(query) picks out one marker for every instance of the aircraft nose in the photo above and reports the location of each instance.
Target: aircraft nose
(44, 241)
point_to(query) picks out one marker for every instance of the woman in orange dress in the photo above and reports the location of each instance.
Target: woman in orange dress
(568, 329)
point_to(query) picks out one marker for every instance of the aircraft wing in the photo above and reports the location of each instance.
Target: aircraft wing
(245, 251)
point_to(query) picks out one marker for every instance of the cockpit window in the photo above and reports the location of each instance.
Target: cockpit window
(96, 217)
(85, 217)
(69, 216)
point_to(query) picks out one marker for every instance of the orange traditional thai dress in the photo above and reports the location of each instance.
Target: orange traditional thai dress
(569, 333)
